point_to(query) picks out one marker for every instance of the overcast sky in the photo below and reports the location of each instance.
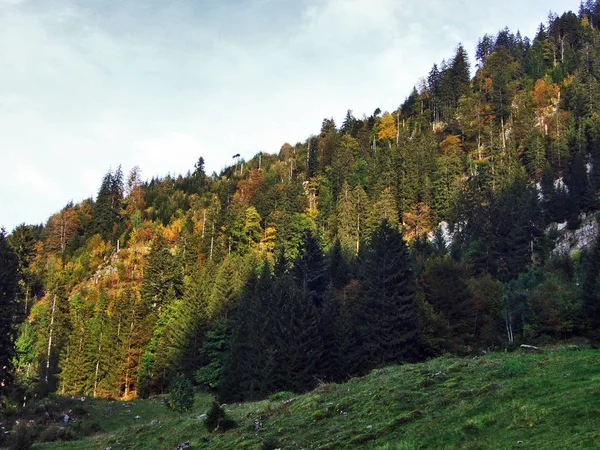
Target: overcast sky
(86, 85)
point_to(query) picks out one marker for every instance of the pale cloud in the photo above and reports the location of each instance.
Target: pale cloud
(175, 153)
(86, 86)
(25, 177)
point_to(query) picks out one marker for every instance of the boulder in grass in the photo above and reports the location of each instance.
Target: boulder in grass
(529, 347)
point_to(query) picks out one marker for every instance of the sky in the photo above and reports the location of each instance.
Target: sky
(88, 85)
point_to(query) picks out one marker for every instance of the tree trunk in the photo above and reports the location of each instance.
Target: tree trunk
(503, 136)
(212, 240)
(50, 339)
(97, 364)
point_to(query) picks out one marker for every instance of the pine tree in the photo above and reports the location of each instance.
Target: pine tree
(591, 289)
(161, 274)
(386, 314)
(214, 353)
(312, 157)
(244, 372)
(346, 358)
(444, 283)
(579, 189)
(310, 270)
(9, 265)
(107, 209)
(297, 346)
(74, 375)
(339, 268)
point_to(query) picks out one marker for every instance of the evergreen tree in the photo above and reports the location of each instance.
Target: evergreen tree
(244, 372)
(312, 157)
(591, 289)
(214, 353)
(23, 241)
(386, 314)
(297, 345)
(346, 358)
(444, 283)
(75, 373)
(9, 265)
(339, 269)
(161, 275)
(310, 270)
(107, 209)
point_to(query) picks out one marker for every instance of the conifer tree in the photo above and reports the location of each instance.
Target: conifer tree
(339, 268)
(214, 353)
(346, 359)
(444, 283)
(386, 314)
(297, 346)
(161, 275)
(107, 209)
(9, 266)
(75, 375)
(245, 370)
(310, 270)
(591, 289)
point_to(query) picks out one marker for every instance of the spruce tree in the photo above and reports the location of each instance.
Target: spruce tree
(214, 352)
(107, 209)
(296, 342)
(9, 265)
(346, 358)
(386, 313)
(161, 274)
(310, 270)
(244, 372)
(591, 289)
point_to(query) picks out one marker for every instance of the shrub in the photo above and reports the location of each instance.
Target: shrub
(319, 414)
(21, 438)
(218, 420)
(86, 427)
(181, 394)
(282, 395)
(269, 444)
(53, 434)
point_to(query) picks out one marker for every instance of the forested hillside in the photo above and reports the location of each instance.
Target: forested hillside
(388, 238)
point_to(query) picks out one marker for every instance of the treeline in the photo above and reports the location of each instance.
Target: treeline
(393, 237)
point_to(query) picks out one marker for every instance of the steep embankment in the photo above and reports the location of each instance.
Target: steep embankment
(542, 400)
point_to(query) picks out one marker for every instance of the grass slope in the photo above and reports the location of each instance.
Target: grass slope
(543, 400)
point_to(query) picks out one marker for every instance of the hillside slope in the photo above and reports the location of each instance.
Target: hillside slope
(543, 400)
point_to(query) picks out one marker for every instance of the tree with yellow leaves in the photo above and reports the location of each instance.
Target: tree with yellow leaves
(387, 129)
(451, 146)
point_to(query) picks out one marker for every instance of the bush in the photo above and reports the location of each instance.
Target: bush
(53, 434)
(282, 395)
(86, 427)
(270, 444)
(21, 438)
(218, 420)
(181, 394)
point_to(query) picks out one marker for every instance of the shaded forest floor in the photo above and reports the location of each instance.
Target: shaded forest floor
(541, 400)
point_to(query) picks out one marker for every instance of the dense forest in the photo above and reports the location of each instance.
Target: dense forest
(388, 238)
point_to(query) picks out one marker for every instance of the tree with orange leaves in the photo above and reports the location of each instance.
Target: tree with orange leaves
(545, 97)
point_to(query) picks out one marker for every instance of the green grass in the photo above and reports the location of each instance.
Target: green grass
(543, 400)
